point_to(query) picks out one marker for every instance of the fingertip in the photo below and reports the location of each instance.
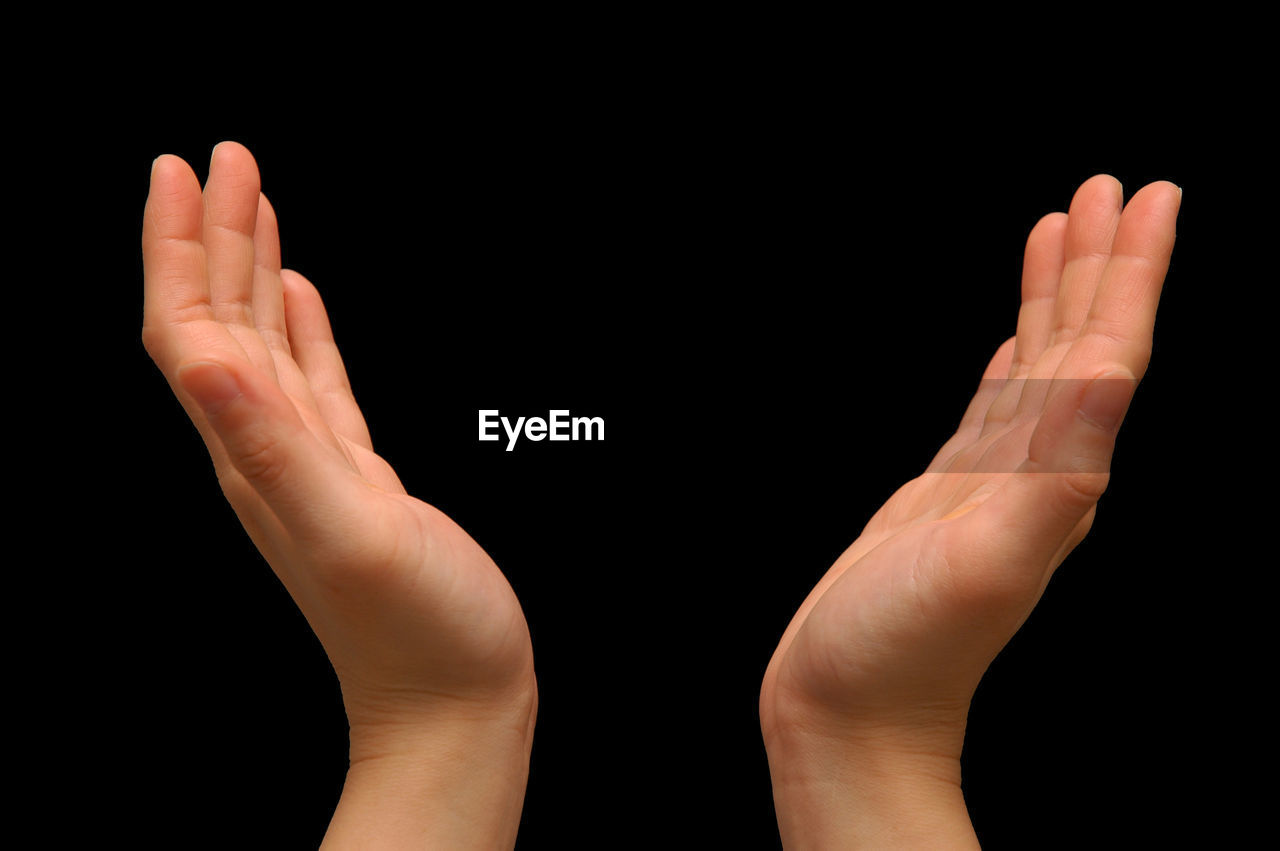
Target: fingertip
(1048, 234)
(1047, 238)
(1168, 191)
(158, 168)
(1111, 185)
(1151, 221)
(167, 168)
(266, 213)
(1094, 210)
(1161, 186)
(297, 284)
(236, 161)
(227, 147)
(232, 190)
(1106, 179)
(1050, 222)
(1001, 361)
(173, 201)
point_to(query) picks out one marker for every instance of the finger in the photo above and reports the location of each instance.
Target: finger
(1029, 517)
(1121, 319)
(1087, 243)
(306, 484)
(1091, 228)
(993, 381)
(178, 321)
(311, 341)
(176, 289)
(231, 198)
(231, 212)
(1042, 267)
(268, 291)
(269, 319)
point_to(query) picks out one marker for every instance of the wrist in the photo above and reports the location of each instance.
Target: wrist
(447, 775)
(841, 783)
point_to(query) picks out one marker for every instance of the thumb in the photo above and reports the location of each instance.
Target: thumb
(267, 443)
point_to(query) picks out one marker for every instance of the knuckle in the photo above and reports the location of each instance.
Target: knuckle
(276, 340)
(151, 340)
(260, 459)
(1082, 488)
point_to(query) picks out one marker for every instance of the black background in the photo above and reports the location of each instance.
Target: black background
(780, 300)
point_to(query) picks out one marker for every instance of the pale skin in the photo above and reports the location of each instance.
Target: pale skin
(427, 638)
(864, 703)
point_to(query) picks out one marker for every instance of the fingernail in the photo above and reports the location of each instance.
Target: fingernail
(214, 152)
(211, 385)
(153, 165)
(1107, 398)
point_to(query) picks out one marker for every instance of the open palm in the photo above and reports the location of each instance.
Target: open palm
(901, 628)
(408, 607)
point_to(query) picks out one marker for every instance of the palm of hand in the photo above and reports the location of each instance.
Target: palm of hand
(407, 605)
(904, 624)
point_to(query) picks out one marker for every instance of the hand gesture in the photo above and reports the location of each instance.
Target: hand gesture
(425, 634)
(865, 699)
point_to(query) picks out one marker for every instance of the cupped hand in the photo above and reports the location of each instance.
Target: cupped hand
(416, 618)
(892, 642)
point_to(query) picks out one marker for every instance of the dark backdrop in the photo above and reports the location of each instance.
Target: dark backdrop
(780, 303)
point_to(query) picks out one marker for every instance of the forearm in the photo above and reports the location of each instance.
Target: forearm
(451, 784)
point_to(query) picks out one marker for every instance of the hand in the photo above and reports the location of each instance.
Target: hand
(425, 634)
(864, 702)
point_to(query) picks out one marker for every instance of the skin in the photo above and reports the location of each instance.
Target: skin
(864, 703)
(427, 638)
